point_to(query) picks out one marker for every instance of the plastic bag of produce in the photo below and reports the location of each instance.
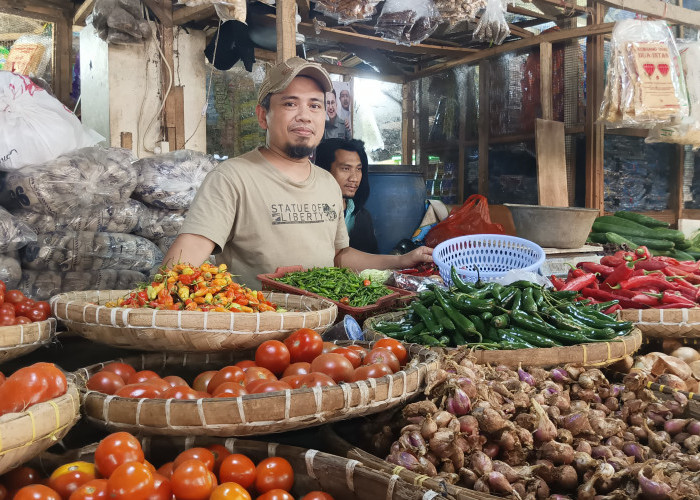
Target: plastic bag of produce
(455, 11)
(407, 22)
(347, 11)
(84, 180)
(471, 218)
(34, 126)
(86, 251)
(14, 233)
(120, 21)
(645, 83)
(10, 269)
(171, 180)
(228, 10)
(492, 26)
(42, 285)
(120, 218)
(155, 223)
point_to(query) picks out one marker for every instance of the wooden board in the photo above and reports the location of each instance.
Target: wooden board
(552, 184)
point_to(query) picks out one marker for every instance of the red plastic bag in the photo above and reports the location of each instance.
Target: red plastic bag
(471, 218)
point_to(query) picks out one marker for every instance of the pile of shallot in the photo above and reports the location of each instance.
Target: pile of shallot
(677, 367)
(537, 434)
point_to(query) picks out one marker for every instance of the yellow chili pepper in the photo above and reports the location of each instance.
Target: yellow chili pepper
(183, 292)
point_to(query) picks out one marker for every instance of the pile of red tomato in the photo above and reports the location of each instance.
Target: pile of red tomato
(303, 360)
(30, 385)
(121, 472)
(16, 309)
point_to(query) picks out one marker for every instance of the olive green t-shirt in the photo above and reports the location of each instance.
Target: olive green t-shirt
(259, 219)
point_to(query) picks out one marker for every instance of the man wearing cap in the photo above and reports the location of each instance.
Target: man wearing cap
(272, 207)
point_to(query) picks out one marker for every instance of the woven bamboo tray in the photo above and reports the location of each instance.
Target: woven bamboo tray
(187, 331)
(254, 414)
(664, 323)
(25, 434)
(594, 354)
(340, 446)
(344, 478)
(18, 340)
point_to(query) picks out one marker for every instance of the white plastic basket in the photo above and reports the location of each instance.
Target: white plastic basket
(493, 254)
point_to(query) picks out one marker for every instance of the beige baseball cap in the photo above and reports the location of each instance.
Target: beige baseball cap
(281, 75)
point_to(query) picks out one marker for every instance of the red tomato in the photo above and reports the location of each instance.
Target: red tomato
(258, 373)
(44, 306)
(20, 477)
(229, 390)
(3, 286)
(304, 345)
(335, 366)
(22, 320)
(276, 494)
(317, 495)
(161, 488)
(192, 480)
(385, 356)
(10, 308)
(269, 386)
(106, 382)
(273, 473)
(158, 383)
(202, 380)
(23, 308)
(202, 454)
(360, 350)
(122, 369)
(298, 368)
(138, 391)
(36, 492)
(352, 355)
(92, 490)
(226, 374)
(176, 381)
(166, 469)
(273, 355)
(37, 314)
(316, 380)
(2, 378)
(14, 296)
(375, 370)
(220, 452)
(130, 481)
(239, 469)
(181, 393)
(65, 484)
(7, 317)
(142, 376)
(230, 491)
(328, 347)
(394, 346)
(117, 449)
(245, 364)
(294, 381)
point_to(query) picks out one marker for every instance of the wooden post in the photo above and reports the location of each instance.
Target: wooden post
(462, 151)
(126, 140)
(286, 30)
(423, 128)
(407, 122)
(546, 98)
(484, 127)
(63, 58)
(595, 132)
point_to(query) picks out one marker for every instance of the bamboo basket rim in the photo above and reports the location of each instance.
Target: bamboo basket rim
(665, 323)
(309, 462)
(591, 355)
(17, 340)
(49, 421)
(252, 414)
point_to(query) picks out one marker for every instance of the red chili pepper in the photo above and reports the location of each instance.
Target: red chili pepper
(366, 283)
(667, 260)
(605, 296)
(688, 266)
(574, 273)
(143, 297)
(612, 309)
(620, 273)
(592, 267)
(650, 265)
(579, 283)
(675, 306)
(670, 297)
(557, 282)
(650, 300)
(642, 252)
(653, 280)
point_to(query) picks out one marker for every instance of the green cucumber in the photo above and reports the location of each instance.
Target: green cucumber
(617, 239)
(695, 252)
(651, 243)
(660, 253)
(682, 245)
(641, 231)
(618, 221)
(641, 219)
(598, 238)
(681, 255)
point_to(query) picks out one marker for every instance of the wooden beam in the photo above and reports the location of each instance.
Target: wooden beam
(10, 37)
(676, 202)
(407, 122)
(513, 9)
(82, 12)
(661, 10)
(46, 15)
(595, 131)
(552, 37)
(546, 97)
(286, 29)
(198, 13)
(518, 31)
(422, 151)
(63, 58)
(484, 126)
(304, 9)
(163, 10)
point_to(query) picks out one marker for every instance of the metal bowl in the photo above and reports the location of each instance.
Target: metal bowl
(554, 227)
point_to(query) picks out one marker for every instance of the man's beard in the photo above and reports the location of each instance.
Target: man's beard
(298, 152)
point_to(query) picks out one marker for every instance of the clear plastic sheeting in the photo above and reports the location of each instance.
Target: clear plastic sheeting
(407, 21)
(455, 11)
(42, 285)
(645, 84)
(636, 174)
(86, 251)
(171, 180)
(120, 21)
(85, 179)
(120, 218)
(14, 233)
(10, 270)
(507, 77)
(492, 26)
(155, 223)
(347, 11)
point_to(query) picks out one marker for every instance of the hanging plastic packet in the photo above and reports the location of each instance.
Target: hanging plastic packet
(455, 11)
(645, 82)
(687, 130)
(407, 22)
(10, 270)
(14, 233)
(227, 10)
(492, 26)
(347, 11)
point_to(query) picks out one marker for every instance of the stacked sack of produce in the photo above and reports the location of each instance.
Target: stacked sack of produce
(79, 205)
(14, 234)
